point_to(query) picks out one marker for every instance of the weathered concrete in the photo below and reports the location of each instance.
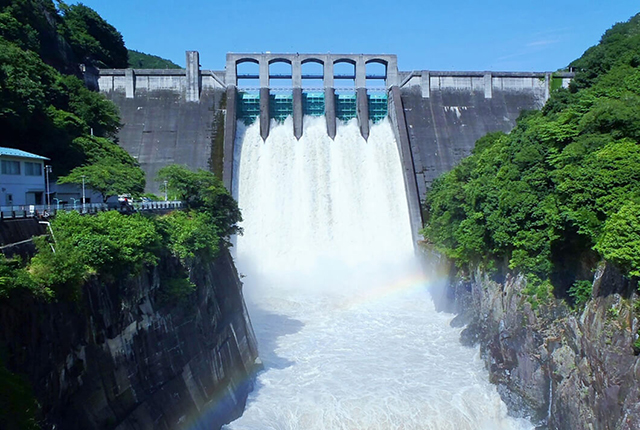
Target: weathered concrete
(265, 119)
(327, 60)
(143, 80)
(230, 123)
(193, 76)
(363, 111)
(162, 128)
(330, 111)
(130, 83)
(446, 112)
(396, 115)
(444, 127)
(297, 112)
(488, 85)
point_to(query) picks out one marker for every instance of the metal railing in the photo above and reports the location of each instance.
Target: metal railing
(39, 211)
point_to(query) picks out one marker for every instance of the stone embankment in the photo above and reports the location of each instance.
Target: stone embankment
(131, 354)
(567, 370)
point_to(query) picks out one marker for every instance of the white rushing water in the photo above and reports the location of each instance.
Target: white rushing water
(347, 331)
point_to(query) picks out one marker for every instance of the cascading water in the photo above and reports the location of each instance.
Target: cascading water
(347, 331)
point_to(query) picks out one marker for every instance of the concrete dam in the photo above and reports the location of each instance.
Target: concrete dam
(329, 157)
(190, 116)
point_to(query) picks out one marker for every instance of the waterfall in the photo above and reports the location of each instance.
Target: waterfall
(346, 328)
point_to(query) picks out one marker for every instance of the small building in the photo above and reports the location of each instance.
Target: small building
(22, 178)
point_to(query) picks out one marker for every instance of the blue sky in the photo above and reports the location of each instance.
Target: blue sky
(510, 35)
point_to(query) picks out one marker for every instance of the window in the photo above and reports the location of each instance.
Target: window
(32, 169)
(10, 167)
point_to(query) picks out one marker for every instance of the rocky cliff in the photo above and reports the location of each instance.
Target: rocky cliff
(130, 354)
(568, 370)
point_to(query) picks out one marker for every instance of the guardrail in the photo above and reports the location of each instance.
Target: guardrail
(44, 211)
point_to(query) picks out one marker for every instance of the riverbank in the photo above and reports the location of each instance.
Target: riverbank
(566, 369)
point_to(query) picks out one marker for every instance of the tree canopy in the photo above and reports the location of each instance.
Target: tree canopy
(560, 190)
(140, 60)
(91, 37)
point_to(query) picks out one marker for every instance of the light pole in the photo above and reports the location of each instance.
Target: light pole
(74, 202)
(83, 196)
(47, 170)
(57, 204)
(166, 192)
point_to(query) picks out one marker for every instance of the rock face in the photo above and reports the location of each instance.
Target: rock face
(565, 370)
(127, 356)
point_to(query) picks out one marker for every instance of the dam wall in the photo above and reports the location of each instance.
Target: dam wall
(160, 128)
(446, 112)
(189, 116)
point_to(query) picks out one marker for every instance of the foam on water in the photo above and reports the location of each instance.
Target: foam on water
(347, 331)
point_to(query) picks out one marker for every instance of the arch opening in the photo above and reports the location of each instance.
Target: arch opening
(280, 74)
(247, 73)
(312, 74)
(376, 71)
(344, 75)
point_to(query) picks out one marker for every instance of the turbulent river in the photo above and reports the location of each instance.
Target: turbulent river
(346, 328)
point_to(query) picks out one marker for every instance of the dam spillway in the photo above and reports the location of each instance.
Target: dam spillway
(189, 116)
(347, 331)
(338, 301)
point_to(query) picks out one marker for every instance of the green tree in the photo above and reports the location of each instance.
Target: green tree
(620, 241)
(91, 37)
(108, 244)
(109, 177)
(204, 192)
(557, 189)
(140, 60)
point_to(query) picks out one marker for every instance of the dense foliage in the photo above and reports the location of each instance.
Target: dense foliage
(202, 191)
(91, 37)
(108, 244)
(111, 245)
(140, 60)
(563, 188)
(43, 108)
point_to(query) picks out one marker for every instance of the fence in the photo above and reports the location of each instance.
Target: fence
(38, 211)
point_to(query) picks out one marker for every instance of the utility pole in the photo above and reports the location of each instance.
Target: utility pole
(166, 193)
(47, 170)
(83, 196)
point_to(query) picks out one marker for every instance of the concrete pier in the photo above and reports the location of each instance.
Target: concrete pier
(297, 112)
(363, 112)
(193, 76)
(488, 85)
(330, 111)
(396, 114)
(264, 113)
(130, 83)
(361, 96)
(230, 122)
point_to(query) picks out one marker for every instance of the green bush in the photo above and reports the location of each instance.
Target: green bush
(190, 233)
(581, 292)
(620, 241)
(537, 292)
(18, 406)
(109, 244)
(15, 277)
(565, 181)
(204, 192)
(175, 290)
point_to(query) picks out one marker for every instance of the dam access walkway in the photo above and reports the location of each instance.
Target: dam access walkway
(46, 211)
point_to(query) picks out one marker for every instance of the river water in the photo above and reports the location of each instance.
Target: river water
(346, 328)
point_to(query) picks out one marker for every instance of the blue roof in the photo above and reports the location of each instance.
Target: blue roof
(12, 152)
